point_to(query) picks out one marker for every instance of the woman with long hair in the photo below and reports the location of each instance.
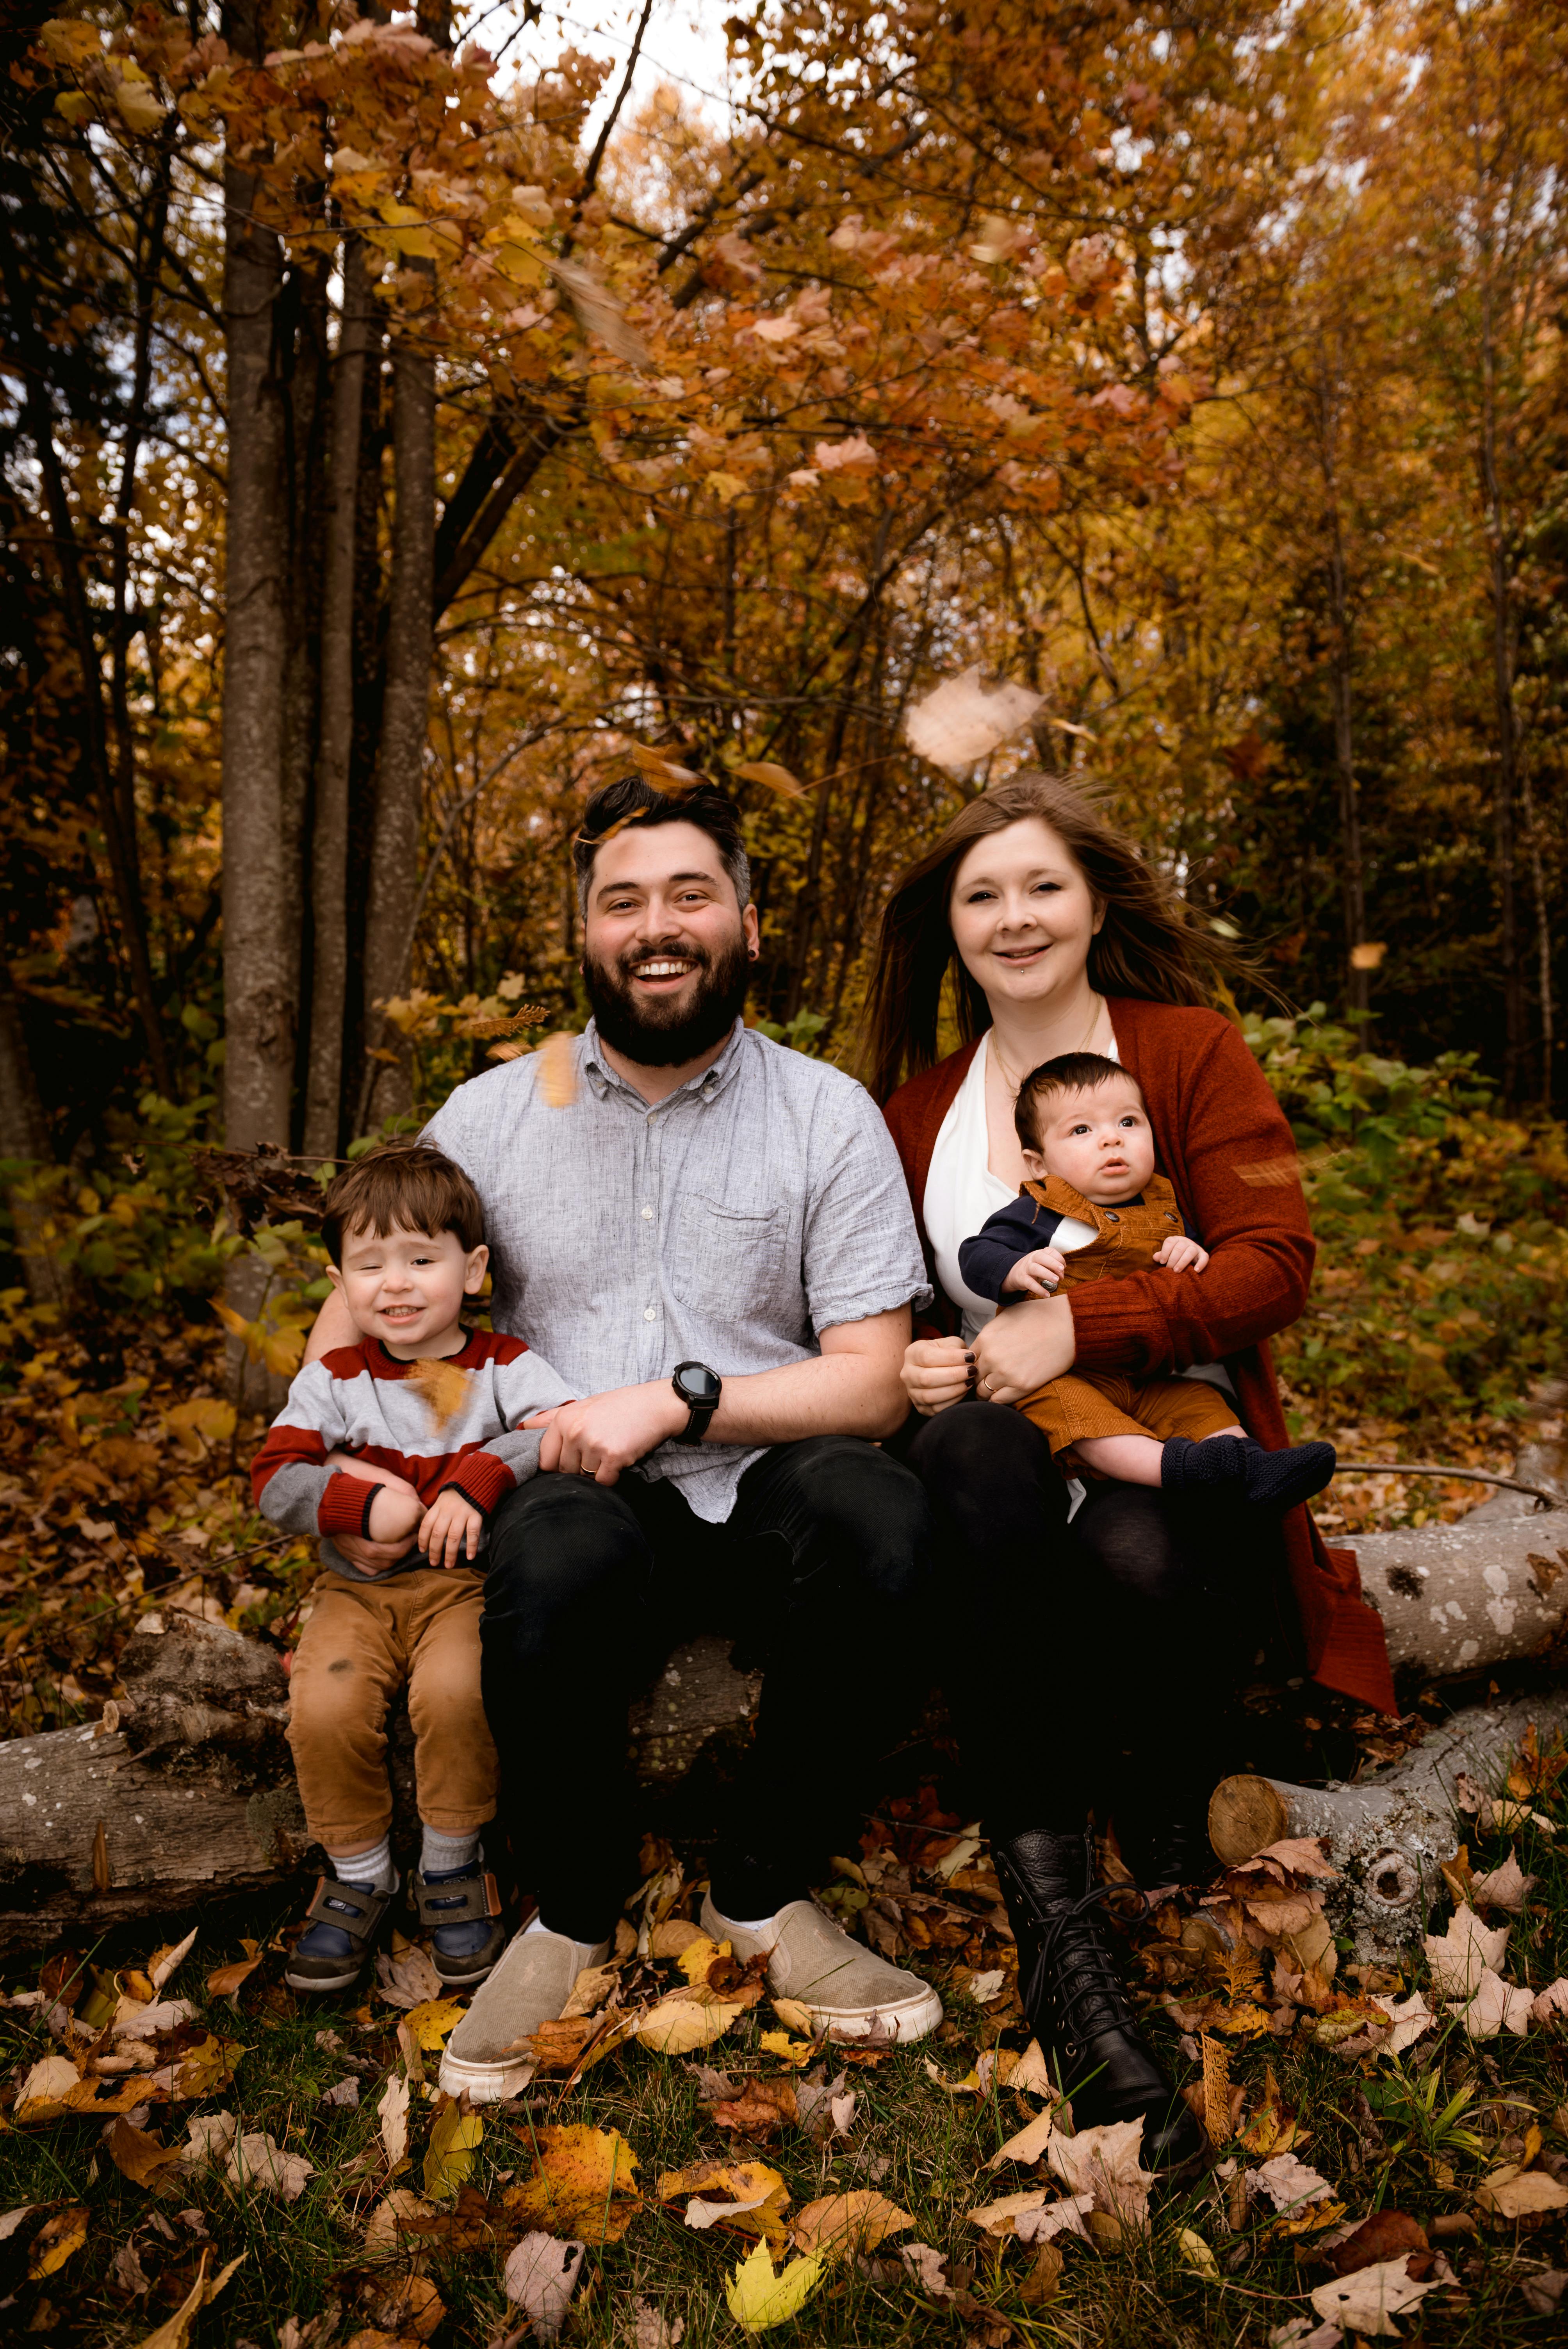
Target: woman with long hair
(1108, 1647)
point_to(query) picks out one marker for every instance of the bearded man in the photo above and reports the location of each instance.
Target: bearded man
(712, 1243)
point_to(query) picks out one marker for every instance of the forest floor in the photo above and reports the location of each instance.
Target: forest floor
(305, 2139)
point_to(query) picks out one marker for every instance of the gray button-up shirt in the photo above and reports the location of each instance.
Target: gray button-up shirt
(731, 1224)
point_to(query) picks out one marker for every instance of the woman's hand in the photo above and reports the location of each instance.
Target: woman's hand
(1023, 1349)
(937, 1371)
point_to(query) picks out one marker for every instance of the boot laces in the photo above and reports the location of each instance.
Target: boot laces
(1087, 1994)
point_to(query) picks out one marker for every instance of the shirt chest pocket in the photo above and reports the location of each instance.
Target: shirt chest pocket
(726, 1261)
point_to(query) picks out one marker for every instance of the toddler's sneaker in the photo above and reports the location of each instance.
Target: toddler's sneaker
(342, 1927)
(461, 1909)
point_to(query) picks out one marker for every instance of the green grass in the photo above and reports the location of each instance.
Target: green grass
(1375, 2130)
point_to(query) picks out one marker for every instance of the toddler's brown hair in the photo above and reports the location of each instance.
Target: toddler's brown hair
(403, 1186)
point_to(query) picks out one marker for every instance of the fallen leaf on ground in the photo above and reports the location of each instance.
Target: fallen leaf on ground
(1299, 1856)
(165, 1961)
(256, 2160)
(1288, 2183)
(591, 1990)
(762, 2108)
(969, 2086)
(1410, 2017)
(137, 2154)
(50, 2080)
(1520, 2196)
(652, 2329)
(455, 2138)
(57, 2239)
(668, 1939)
(1064, 2217)
(839, 2224)
(1497, 2006)
(209, 2137)
(1552, 2000)
(343, 2093)
(779, 2044)
(685, 2020)
(176, 2332)
(1001, 2217)
(582, 2184)
(1031, 2075)
(1029, 2144)
(407, 1979)
(794, 2015)
(1367, 2302)
(224, 1981)
(1386, 2235)
(758, 2299)
(408, 2309)
(433, 2023)
(928, 2266)
(1506, 1888)
(823, 2109)
(540, 2277)
(984, 1988)
(744, 2194)
(1197, 2256)
(392, 2119)
(1464, 1953)
(391, 2223)
(1105, 2162)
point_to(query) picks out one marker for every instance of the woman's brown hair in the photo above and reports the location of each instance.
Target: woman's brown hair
(1148, 944)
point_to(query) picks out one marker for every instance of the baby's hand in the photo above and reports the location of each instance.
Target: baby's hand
(394, 1512)
(452, 1529)
(1179, 1254)
(1036, 1274)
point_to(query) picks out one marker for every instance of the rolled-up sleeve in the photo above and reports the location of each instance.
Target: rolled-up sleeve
(860, 1252)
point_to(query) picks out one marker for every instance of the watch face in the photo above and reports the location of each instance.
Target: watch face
(698, 1384)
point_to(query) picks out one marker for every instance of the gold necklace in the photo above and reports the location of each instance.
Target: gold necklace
(1013, 1083)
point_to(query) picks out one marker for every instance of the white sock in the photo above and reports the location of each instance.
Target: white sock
(373, 1866)
(439, 1853)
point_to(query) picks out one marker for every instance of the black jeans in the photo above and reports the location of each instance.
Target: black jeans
(1067, 1645)
(823, 1563)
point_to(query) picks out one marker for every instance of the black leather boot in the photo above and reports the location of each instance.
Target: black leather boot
(1075, 2001)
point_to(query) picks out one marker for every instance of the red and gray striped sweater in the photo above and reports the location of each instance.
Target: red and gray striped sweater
(360, 1399)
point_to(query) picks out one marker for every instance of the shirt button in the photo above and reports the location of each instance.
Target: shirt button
(647, 1214)
(650, 1313)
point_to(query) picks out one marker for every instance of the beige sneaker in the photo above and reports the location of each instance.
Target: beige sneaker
(848, 1988)
(486, 2053)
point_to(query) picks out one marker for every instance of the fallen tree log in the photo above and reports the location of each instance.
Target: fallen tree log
(184, 1792)
(1390, 1833)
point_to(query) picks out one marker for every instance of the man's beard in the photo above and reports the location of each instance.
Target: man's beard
(655, 1035)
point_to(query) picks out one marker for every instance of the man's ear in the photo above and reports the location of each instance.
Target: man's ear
(751, 930)
(475, 1265)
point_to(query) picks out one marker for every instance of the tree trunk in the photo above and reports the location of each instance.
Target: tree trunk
(329, 844)
(25, 1134)
(260, 889)
(306, 368)
(1501, 556)
(401, 766)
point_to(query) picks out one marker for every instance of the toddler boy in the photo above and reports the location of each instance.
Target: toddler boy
(413, 1434)
(1094, 1209)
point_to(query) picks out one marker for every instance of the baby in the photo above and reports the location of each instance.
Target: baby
(412, 1435)
(1095, 1209)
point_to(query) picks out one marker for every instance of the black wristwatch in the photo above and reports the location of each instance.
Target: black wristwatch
(699, 1389)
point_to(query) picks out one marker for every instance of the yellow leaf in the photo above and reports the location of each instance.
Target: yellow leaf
(224, 1982)
(208, 1421)
(558, 1070)
(62, 2235)
(442, 1386)
(758, 2299)
(74, 105)
(664, 774)
(794, 2015)
(431, 2023)
(67, 41)
(138, 109)
(726, 487)
(698, 1953)
(777, 779)
(1197, 2256)
(839, 2224)
(684, 2021)
(581, 2187)
(758, 2196)
(176, 2332)
(788, 2050)
(204, 2068)
(520, 264)
(449, 2155)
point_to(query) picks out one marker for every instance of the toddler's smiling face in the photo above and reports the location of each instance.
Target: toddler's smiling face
(408, 1287)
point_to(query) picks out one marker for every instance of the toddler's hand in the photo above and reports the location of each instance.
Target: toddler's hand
(1179, 1254)
(394, 1512)
(451, 1529)
(1036, 1274)
(348, 1464)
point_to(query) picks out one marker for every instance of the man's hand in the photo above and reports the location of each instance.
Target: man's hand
(1025, 1349)
(937, 1371)
(601, 1436)
(452, 1529)
(1179, 1254)
(1037, 1274)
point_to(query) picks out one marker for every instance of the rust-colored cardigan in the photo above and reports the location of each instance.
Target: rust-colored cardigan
(1214, 1119)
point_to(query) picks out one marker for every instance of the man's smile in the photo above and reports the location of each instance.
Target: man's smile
(663, 968)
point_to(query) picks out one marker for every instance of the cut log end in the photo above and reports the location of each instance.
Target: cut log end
(1245, 1816)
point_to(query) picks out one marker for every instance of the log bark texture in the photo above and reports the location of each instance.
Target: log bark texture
(1487, 1590)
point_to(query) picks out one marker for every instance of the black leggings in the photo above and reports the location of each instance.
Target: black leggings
(823, 1563)
(1068, 1647)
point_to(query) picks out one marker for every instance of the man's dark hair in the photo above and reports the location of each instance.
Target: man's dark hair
(633, 801)
(406, 1187)
(1070, 1073)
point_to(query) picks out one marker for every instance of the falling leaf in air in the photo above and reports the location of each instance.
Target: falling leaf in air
(759, 2299)
(965, 720)
(838, 2226)
(999, 238)
(598, 312)
(666, 774)
(1368, 956)
(583, 2185)
(455, 2136)
(776, 779)
(1364, 2302)
(441, 1386)
(557, 1057)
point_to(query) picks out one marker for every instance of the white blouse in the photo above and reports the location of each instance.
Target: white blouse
(961, 1190)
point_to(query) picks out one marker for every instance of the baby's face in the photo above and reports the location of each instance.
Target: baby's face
(1100, 1141)
(408, 1287)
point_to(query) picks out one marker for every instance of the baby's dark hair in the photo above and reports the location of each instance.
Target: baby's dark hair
(1070, 1073)
(405, 1186)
